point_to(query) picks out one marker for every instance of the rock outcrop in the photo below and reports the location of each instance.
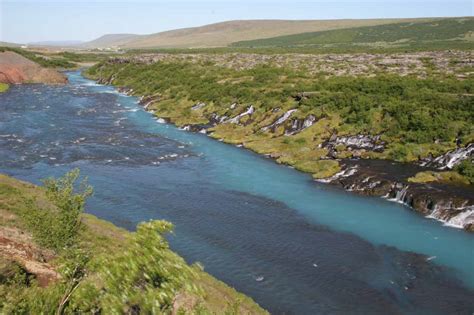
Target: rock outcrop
(355, 143)
(451, 204)
(16, 69)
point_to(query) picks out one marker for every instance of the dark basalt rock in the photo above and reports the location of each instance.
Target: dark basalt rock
(148, 100)
(355, 143)
(118, 60)
(202, 128)
(365, 142)
(449, 203)
(125, 90)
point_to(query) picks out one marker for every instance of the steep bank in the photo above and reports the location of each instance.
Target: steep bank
(102, 271)
(263, 103)
(16, 69)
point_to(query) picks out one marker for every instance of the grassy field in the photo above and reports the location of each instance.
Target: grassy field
(446, 33)
(407, 112)
(100, 268)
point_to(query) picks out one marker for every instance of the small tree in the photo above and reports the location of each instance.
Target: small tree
(57, 228)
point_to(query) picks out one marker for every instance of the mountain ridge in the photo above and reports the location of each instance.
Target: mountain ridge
(222, 34)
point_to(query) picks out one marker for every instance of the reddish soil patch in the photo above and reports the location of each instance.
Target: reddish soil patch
(16, 69)
(18, 246)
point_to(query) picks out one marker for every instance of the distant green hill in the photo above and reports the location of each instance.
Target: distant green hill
(450, 32)
(224, 33)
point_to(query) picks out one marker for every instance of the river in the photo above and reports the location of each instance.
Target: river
(293, 245)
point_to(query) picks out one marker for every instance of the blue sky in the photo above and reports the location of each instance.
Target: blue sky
(38, 20)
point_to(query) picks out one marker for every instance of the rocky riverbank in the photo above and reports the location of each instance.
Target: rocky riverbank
(337, 125)
(451, 203)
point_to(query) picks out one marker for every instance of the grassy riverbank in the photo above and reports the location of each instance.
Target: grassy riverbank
(55, 259)
(414, 106)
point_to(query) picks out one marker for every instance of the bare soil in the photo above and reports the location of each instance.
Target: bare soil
(16, 69)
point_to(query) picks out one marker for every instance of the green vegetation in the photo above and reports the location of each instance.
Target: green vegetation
(466, 168)
(41, 59)
(93, 266)
(407, 111)
(446, 177)
(62, 60)
(87, 57)
(58, 229)
(448, 33)
(3, 87)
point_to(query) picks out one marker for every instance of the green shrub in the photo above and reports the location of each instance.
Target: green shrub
(57, 228)
(145, 278)
(466, 168)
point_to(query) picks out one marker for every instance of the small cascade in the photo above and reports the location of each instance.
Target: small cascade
(357, 142)
(280, 120)
(451, 158)
(299, 125)
(400, 195)
(463, 219)
(344, 173)
(236, 119)
(437, 213)
(198, 106)
(361, 142)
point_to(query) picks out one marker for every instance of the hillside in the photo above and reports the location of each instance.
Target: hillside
(6, 44)
(55, 260)
(56, 43)
(15, 69)
(110, 40)
(224, 33)
(450, 32)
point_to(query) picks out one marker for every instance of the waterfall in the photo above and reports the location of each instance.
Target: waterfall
(280, 120)
(344, 173)
(198, 106)
(462, 219)
(299, 125)
(400, 195)
(236, 119)
(451, 158)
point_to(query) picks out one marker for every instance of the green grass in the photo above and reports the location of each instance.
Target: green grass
(106, 268)
(3, 87)
(446, 177)
(450, 32)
